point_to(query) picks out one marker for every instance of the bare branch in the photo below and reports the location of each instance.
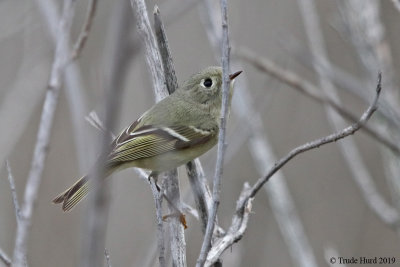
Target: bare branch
(201, 191)
(160, 77)
(115, 65)
(235, 232)
(171, 183)
(315, 144)
(308, 89)
(239, 220)
(43, 137)
(348, 148)
(206, 246)
(373, 50)
(13, 192)
(151, 50)
(75, 89)
(295, 238)
(81, 41)
(345, 80)
(4, 258)
(167, 61)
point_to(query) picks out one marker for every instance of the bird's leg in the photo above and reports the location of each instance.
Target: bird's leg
(177, 212)
(154, 175)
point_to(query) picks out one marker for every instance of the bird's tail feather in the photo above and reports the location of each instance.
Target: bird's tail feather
(74, 194)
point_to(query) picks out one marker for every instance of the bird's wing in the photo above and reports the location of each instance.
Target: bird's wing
(149, 140)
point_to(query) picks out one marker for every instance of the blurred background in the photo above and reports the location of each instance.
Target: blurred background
(340, 202)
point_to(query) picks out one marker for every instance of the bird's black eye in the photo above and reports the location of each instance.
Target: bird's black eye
(207, 82)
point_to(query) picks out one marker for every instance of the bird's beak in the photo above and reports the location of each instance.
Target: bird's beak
(234, 75)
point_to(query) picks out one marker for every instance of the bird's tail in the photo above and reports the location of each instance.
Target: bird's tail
(74, 194)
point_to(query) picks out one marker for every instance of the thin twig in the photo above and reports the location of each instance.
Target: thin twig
(282, 204)
(194, 169)
(107, 256)
(308, 89)
(166, 58)
(367, 34)
(74, 85)
(200, 189)
(348, 148)
(81, 41)
(158, 74)
(319, 142)
(239, 220)
(43, 137)
(13, 192)
(345, 80)
(151, 51)
(205, 248)
(115, 65)
(171, 183)
(4, 258)
(235, 232)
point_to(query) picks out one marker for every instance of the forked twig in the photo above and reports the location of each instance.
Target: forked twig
(240, 219)
(82, 38)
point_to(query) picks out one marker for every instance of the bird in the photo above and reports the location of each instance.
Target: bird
(176, 130)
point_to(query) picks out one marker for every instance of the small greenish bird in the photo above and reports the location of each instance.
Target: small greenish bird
(176, 130)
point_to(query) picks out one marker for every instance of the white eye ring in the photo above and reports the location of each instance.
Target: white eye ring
(207, 83)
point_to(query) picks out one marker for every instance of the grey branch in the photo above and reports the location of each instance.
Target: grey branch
(158, 74)
(373, 50)
(171, 183)
(4, 258)
(240, 218)
(194, 169)
(167, 61)
(151, 51)
(348, 148)
(74, 85)
(115, 65)
(43, 136)
(282, 204)
(81, 41)
(308, 89)
(206, 246)
(236, 230)
(319, 142)
(201, 191)
(13, 192)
